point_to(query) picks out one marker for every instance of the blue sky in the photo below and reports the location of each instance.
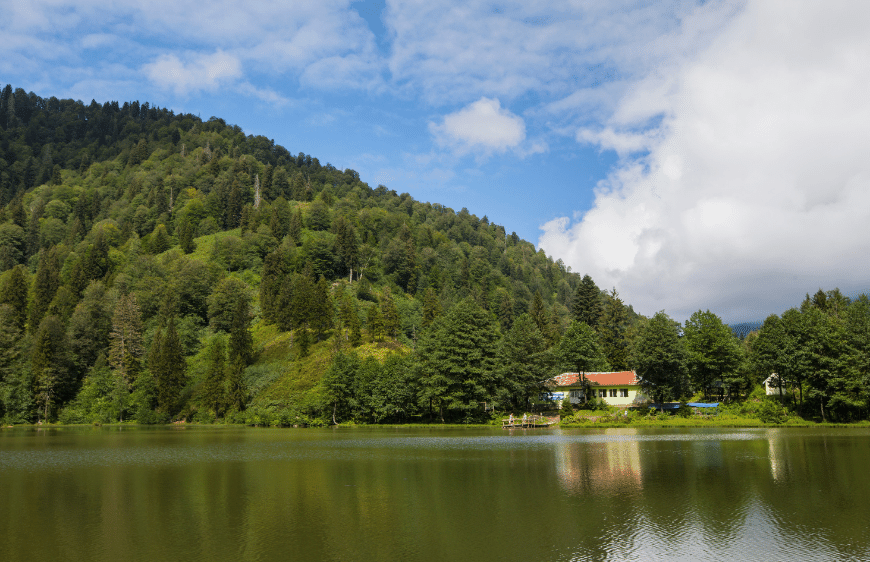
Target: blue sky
(693, 155)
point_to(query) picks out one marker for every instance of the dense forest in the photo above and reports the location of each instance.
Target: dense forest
(156, 267)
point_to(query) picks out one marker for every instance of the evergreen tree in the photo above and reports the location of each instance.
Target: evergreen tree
(44, 286)
(14, 294)
(375, 324)
(505, 310)
(235, 386)
(303, 338)
(49, 364)
(614, 324)
(659, 359)
(538, 312)
(170, 376)
(457, 360)
(321, 311)
(274, 276)
(212, 393)
(234, 207)
(125, 339)
(346, 245)
(295, 227)
(431, 307)
(587, 303)
(241, 342)
(524, 363)
(12, 348)
(337, 384)
(389, 314)
(160, 240)
(185, 237)
(89, 328)
(579, 351)
(712, 352)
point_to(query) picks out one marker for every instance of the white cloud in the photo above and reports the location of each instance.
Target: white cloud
(200, 72)
(756, 188)
(459, 51)
(194, 46)
(263, 94)
(482, 126)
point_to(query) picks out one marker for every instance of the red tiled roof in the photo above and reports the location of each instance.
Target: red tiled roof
(619, 378)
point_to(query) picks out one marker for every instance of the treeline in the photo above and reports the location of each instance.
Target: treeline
(117, 203)
(156, 267)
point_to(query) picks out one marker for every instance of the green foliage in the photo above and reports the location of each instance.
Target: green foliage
(566, 411)
(88, 237)
(659, 359)
(712, 352)
(771, 411)
(524, 364)
(579, 351)
(457, 361)
(223, 301)
(587, 305)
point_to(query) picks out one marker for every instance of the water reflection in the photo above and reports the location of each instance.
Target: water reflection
(417, 494)
(608, 466)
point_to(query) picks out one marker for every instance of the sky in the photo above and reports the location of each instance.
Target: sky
(692, 155)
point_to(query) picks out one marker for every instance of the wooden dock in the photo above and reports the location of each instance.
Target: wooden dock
(525, 422)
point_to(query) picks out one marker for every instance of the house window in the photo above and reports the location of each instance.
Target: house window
(623, 393)
(602, 393)
(613, 393)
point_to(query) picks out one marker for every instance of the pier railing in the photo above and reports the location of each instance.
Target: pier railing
(525, 422)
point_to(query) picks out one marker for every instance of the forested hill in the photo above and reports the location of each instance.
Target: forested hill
(156, 266)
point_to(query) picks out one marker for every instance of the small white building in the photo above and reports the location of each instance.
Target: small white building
(618, 388)
(772, 386)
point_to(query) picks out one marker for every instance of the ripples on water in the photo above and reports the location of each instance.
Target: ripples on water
(616, 494)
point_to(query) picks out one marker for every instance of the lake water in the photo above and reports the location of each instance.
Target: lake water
(201, 493)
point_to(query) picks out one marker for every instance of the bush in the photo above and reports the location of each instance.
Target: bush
(771, 411)
(684, 411)
(567, 410)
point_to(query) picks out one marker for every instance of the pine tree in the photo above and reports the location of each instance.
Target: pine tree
(375, 323)
(458, 367)
(159, 240)
(241, 342)
(659, 359)
(587, 303)
(14, 293)
(614, 324)
(212, 393)
(125, 339)
(271, 284)
(320, 318)
(303, 340)
(389, 314)
(44, 286)
(539, 314)
(185, 237)
(295, 228)
(523, 362)
(171, 372)
(49, 364)
(235, 386)
(431, 307)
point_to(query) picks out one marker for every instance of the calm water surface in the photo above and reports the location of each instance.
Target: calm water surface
(429, 494)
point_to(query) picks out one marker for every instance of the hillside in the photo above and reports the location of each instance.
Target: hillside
(126, 220)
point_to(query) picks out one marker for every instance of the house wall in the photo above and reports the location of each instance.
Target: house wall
(633, 391)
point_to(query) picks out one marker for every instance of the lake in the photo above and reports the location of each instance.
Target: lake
(234, 493)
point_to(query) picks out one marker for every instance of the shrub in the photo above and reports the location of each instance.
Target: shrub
(771, 411)
(567, 410)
